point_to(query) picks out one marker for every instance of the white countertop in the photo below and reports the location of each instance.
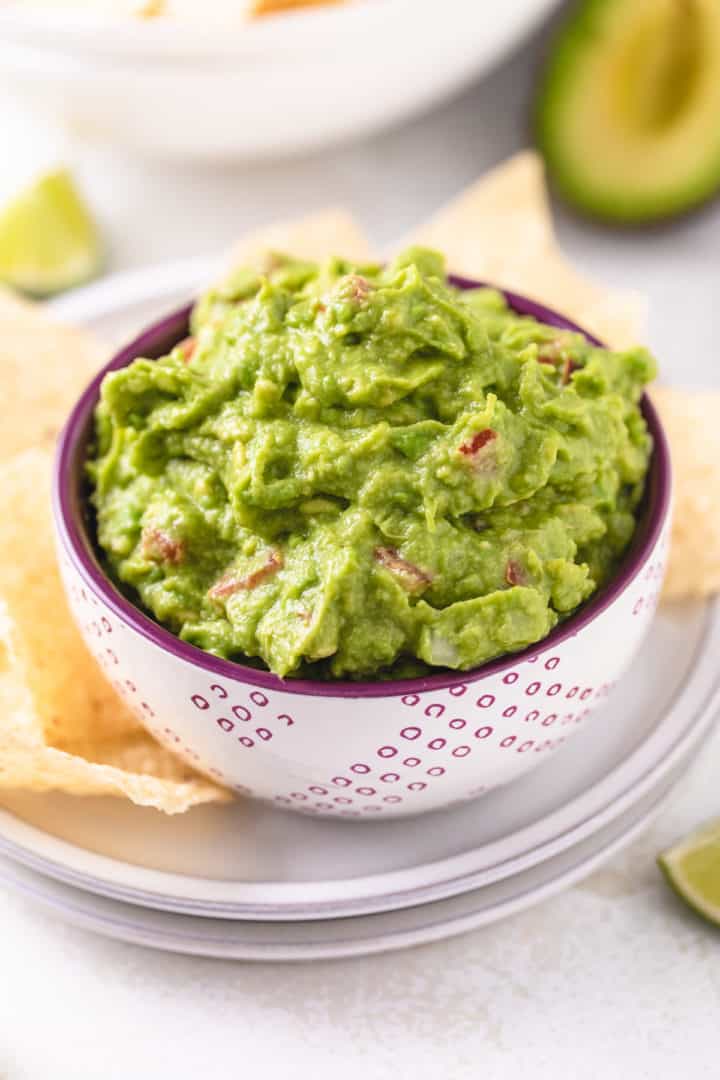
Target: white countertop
(611, 979)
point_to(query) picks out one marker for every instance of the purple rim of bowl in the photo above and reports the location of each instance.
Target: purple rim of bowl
(68, 502)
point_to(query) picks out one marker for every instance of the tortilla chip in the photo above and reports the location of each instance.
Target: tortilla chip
(690, 422)
(270, 7)
(618, 319)
(28, 764)
(314, 237)
(29, 585)
(44, 366)
(500, 231)
(501, 219)
(62, 726)
(191, 10)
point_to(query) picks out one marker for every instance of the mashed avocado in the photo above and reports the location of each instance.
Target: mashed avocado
(346, 468)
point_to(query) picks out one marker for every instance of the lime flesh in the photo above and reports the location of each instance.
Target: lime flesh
(692, 868)
(628, 115)
(48, 239)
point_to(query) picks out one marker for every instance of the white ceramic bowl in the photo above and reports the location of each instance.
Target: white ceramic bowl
(357, 750)
(278, 85)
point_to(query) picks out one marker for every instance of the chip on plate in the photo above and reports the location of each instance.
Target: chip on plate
(690, 422)
(500, 230)
(314, 237)
(44, 366)
(63, 727)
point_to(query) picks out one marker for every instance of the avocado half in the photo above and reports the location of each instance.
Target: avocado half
(628, 115)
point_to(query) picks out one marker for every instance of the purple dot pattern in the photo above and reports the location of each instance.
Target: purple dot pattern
(495, 735)
(435, 747)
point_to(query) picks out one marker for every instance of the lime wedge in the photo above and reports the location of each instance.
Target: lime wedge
(48, 240)
(692, 868)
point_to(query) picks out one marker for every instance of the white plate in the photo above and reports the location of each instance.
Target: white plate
(247, 861)
(335, 938)
(252, 862)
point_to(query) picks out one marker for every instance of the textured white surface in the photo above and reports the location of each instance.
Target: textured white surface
(611, 979)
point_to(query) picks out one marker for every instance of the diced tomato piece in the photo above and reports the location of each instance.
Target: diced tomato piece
(231, 583)
(478, 441)
(555, 353)
(161, 547)
(412, 578)
(514, 573)
(187, 347)
(358, 287)
(568, 367)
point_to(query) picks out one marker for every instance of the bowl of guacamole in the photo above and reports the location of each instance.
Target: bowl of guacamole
(346, 480)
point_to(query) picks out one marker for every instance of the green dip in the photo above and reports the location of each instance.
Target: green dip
(350, 471)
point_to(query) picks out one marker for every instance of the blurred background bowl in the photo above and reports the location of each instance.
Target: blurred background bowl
(279, 85)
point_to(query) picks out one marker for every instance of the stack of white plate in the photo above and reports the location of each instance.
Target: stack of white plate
(246, 881)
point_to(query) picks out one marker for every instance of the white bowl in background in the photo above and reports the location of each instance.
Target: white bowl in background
(279, 85)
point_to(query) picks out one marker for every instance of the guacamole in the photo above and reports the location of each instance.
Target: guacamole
(356, 471)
